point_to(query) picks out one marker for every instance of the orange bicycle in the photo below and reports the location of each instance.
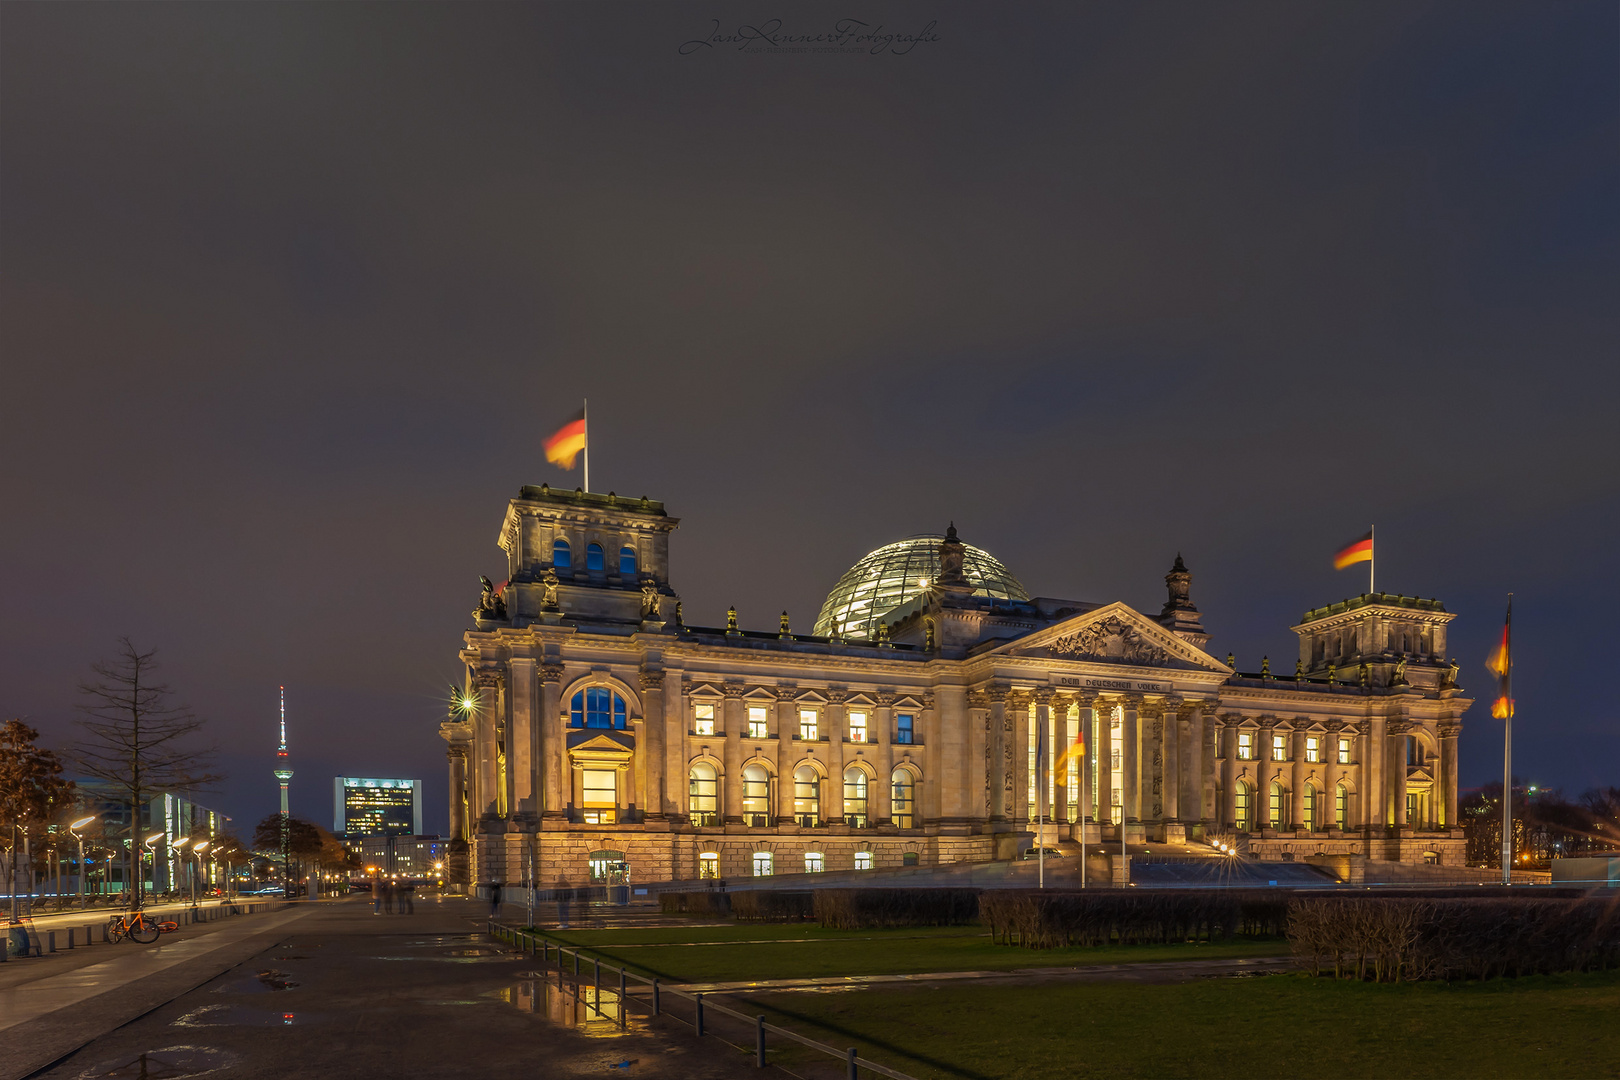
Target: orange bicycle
(139, 927)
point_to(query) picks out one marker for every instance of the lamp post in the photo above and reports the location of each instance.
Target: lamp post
(196, 854)
(74, 829)
(140, 883)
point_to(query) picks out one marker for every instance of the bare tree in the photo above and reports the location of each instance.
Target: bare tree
(136, 739)
(31, 792)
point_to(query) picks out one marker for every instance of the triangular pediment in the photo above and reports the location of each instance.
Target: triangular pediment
(1114, 634)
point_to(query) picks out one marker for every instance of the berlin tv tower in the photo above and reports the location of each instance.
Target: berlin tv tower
(283, 774)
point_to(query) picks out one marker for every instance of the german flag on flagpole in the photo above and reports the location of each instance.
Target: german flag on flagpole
(1501, 663)
(1358, 550)
(565, 445)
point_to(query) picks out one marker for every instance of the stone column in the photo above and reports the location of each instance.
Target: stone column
(1061, 741)
(950, 706)
(1226, 732)
(787, 725)
(1296, 780)
(457, 756)
(879, 800)
(1170, 770)
(732, 719)
(554, 792)
(1191, 800)
(488, 749)
(835, 726)
(1396, 751)
(1000, 726)
(1447, 780)
(525, 786)
(1043, 755)
(1374, 800)
(657, 795)
(1265, 770)
(1208, 768)
(1018, 807)
(1131, 766)
(1104, 808)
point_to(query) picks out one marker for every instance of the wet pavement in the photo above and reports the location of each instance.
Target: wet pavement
(345, 992)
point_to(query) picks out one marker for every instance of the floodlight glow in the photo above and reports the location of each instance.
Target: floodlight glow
(82, 822)
(202, 845)
(154, 836)
(182, 842)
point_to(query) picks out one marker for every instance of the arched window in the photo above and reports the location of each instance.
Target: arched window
(709, 864)
(627, 562)
(703, 795)
(1274, 808)
(1310, 808)
(806, 797)
(562, 556)
(1340, 801)
(814, 862)
(855, 798)
(1243, 807)
(593, 559)
(756, 810)
(901, 806)
(597, 707)
(762, 864)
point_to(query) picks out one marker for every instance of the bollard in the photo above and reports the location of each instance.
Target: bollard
(699, 999)
(50, 941)
(598, 983)
(759, 1043)
(70, 936)
(852, 1075)
(655, 997)
(576, 963)
(623, 1013)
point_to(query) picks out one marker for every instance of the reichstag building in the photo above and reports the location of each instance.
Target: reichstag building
(600, 734)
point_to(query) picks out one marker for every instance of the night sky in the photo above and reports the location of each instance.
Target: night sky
(292, 293)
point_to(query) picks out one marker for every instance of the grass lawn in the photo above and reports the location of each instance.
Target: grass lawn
(799, 950)
(1272, 1026)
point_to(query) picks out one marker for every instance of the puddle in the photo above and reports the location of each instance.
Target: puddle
(169, 1063)
(240, 1016)
(1238, 975)
(263, 982)
(289, 958)
(590, 1014)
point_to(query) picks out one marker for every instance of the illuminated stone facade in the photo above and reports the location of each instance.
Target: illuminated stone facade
(597, 729)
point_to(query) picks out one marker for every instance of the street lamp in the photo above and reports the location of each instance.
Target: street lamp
(136, 895)
(178, 845)
(74, 829)
(196, 853)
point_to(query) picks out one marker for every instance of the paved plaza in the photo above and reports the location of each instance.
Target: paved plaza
(330, 989)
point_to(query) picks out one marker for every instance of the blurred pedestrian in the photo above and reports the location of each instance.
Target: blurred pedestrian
(376, 895)
(388, 896)
(562, 902)
(407, 898)
(494, 899)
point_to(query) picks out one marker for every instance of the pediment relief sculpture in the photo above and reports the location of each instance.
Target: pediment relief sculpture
(1111, 639)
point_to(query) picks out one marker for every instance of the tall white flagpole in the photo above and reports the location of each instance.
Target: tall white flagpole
(1372, 563)
(586, 412)
(1040, 794)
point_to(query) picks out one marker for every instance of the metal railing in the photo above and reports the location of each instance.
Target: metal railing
(536, 944)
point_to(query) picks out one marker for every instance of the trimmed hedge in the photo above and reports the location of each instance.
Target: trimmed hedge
(1398, 939)
(1048, 919)
(704, 902)
(772, 905)
(873, 909)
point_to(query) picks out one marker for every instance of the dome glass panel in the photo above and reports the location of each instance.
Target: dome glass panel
(899, 572)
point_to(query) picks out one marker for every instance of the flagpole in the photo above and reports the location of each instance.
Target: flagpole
(585, 413)
(1040, 794)
(1372, 563)
(1507, 754)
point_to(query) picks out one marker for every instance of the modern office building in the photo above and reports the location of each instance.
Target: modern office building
(370, 806)
(920, 721)
(420, 857)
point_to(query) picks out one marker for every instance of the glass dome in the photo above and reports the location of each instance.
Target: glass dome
(896, 573)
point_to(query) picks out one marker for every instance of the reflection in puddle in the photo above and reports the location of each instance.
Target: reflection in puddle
(239, 1016)
(169, 1062)
(264, 981)
(590, 1014)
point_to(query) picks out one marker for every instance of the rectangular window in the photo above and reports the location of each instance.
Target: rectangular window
(709, 865)
(903, 727)
(1339, 806)
(901, 791)
(599, 796)
(857, 727)
(1313, 749)
(1245, 746)
(1279, 748)
(863, 860)
(1115, 799)
(762, 864)
(1114, 759)
(807, 725)
(703, 724)
(1344, 751)
(756, 722)
(814, 862)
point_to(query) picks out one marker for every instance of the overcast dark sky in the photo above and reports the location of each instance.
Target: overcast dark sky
(291, 293)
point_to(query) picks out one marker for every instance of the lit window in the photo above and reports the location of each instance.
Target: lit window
(593, 558)
(1245, 746)
(901, 788)
(756, 722)
(704, 795)
(1340, 798)
(1344, 751)
(607, 866)
(855, 798)
(1115, 798)
(1313, 749)
(1279, 748)
(863, 860)
(1242, 808)
(562, 556)
(1310, 808)
(597, 707)
(806, 797)
(627, 562)
(904, 725)
(1114, 759)
(762, 864)
(814, 862)
(857, 727)
(709, 865)
(807, 725)
(599, 796)
(756, 797)
(1274, 808)
(703, 724)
